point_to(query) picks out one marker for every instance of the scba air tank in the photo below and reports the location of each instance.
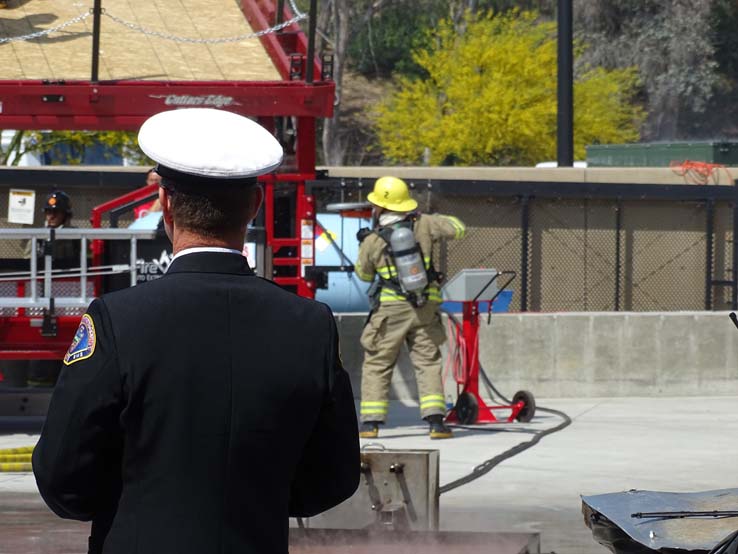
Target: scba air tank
(408, 260)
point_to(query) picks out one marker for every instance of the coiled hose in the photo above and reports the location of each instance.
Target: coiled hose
(487, 466)
(16, 459)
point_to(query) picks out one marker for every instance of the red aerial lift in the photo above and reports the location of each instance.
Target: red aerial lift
(289, 108)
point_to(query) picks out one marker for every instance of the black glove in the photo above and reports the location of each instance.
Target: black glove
(362, 233)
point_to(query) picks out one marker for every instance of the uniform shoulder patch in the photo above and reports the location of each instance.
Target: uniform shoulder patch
(83, 345)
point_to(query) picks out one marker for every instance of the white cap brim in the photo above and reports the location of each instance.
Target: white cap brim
(210, 143)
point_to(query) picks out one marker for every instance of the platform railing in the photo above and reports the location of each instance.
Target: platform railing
(83, 272)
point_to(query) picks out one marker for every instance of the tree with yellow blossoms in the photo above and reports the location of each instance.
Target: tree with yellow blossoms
(489, 98)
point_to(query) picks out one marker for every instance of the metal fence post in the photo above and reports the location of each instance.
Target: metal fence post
(34, 269)
(96, 13)
(133, 259)
(312, 29)
(48, 248)
(618, 244)
(734, 277)
(83, 269)
(709, 254)
(525, 248)
(565, 88)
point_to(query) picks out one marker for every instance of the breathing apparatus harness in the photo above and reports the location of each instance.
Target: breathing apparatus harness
(410, 277)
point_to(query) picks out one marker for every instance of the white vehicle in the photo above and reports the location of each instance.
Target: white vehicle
(555, 164)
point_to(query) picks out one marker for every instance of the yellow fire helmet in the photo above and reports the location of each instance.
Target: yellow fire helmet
(392, 194)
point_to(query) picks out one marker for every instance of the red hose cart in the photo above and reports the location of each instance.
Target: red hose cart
(472, 287)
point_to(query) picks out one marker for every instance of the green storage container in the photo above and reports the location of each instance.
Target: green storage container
(661, 154)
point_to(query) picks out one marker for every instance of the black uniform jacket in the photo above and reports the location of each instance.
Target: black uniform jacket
(196, 412)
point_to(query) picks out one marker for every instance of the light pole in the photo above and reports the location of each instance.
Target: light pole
(96, 13)
(565, 112)
(312, 28)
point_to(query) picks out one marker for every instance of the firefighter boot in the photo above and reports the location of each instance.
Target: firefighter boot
(369, 430)
(438, 429)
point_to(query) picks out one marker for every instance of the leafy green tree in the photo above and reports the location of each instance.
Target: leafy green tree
(490, 97)
(12, 154)
(723, 21)
(721, 116)
(671, 44)
(375, 39)
(69, 146)
(383, 41)
(385, 32)
(121, 144)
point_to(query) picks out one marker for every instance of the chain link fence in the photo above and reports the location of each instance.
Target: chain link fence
(581, 248)
(599, 255)
(665, 256)
(493, 237)
(572, 266)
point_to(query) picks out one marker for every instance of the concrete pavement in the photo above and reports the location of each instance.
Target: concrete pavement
(669, 444)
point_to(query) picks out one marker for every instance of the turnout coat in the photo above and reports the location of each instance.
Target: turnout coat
(195, 413)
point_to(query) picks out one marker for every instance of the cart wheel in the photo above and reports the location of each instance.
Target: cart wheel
(467, 408)
(529, 405)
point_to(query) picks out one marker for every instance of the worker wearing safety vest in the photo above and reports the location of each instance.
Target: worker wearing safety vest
(405, 299)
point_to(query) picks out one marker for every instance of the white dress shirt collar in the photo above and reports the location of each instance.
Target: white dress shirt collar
(199, 249)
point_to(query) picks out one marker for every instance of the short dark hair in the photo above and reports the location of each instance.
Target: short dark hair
(214, 213)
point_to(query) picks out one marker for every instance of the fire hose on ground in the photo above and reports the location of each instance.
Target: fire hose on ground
(16, 459)
(486, 466)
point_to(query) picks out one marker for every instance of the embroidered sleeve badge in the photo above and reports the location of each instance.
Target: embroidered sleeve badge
(83, 345)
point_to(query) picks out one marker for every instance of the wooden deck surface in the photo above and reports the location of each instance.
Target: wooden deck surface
(129, 54)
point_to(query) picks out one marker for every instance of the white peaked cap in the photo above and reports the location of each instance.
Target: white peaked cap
(209, 143)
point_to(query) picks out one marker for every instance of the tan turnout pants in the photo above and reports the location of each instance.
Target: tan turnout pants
(421, 329)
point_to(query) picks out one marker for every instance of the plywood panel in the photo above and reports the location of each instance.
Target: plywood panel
(127, 53)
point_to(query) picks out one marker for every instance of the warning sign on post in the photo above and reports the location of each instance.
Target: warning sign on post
(21, 206)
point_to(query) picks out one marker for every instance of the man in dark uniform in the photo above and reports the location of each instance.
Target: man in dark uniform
(65, 255)
(196, 412)
(58, 215)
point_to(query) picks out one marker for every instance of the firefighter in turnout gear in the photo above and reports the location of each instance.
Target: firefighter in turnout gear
(405, 299)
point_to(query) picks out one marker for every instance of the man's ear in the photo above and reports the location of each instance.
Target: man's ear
(257, 197)
(166, 205)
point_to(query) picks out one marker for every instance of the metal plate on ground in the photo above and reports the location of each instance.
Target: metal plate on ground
(398, 490)
(606, 512)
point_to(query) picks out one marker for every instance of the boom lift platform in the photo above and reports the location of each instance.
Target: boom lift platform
(289, 108)
(40, 321)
